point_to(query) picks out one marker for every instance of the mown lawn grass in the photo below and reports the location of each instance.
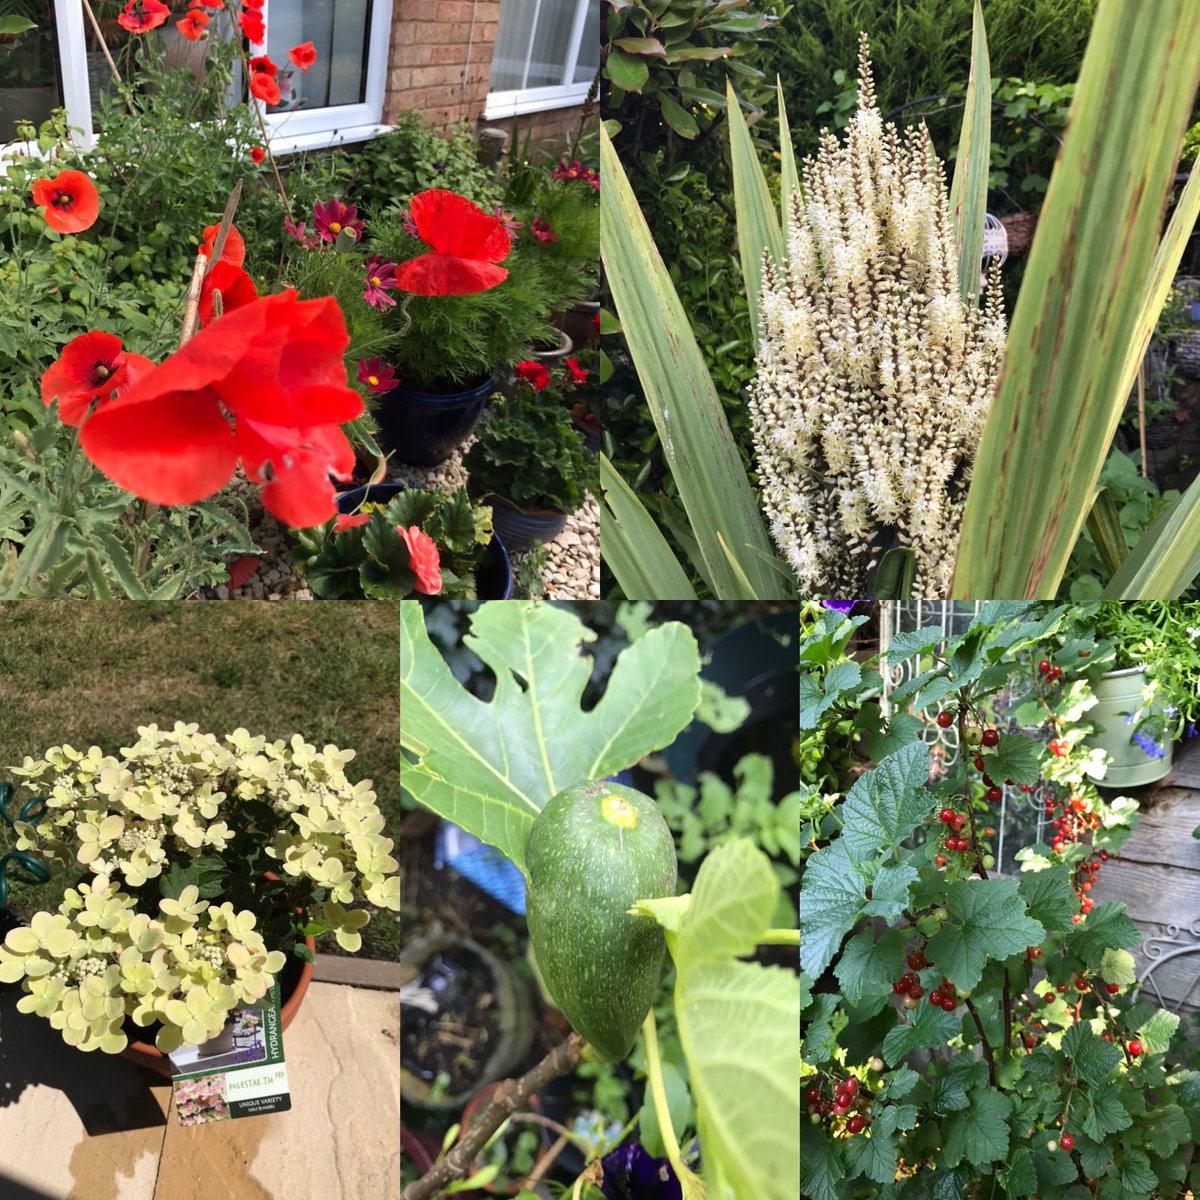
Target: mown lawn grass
(89, 674)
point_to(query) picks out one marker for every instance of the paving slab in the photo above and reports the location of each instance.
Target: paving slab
(94, 1127)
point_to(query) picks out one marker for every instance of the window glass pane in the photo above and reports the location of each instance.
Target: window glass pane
(589, 48)
(28, 78)
(533, 41)
(338, 29)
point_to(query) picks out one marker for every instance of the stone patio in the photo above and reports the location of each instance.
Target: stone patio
(94, 1127)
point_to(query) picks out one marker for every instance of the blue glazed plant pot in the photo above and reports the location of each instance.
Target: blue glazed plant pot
(493, 576)
(423, 429)
(521, 528)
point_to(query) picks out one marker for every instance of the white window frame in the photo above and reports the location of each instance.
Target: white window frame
(517, 102)
(288, 133)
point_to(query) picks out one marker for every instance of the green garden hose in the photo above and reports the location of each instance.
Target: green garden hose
(31, 810)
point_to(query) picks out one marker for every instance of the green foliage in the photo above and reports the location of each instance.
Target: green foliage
(371, 561)
(954, 1102)
(530, 453)
(389, 170)
(920, 49)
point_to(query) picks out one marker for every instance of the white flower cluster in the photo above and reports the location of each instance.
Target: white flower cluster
(173, 797)
(97, 961)
(874, 378)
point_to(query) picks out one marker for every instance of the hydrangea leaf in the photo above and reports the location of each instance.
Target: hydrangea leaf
(831, 900)
(885, 805)
(980, 1131)
(1094, 1058)
(932, 1027)
(491, 766)
(987, 920)
(1049, 897)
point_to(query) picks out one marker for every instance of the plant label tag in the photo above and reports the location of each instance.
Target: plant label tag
(238, 1073)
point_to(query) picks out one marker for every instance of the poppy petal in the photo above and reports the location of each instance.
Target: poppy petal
(299, 492)
(452, 224)
(234, 252)
(178, 450)
(236, 287)
(444, 275)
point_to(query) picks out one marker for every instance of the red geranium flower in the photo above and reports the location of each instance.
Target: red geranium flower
(140, 16)
(350, 521)
(251, 22)
(193, 25)
(330, 218)
(268, 389)
(71, 200)
(303, 56)
(577, 372)
(236, 287)
(533, 373)
(234, 252)
(466, 245)
(423, 559)
(91, 367)
(376, 375)
(263, 83)
(381, 278)
(257, 154)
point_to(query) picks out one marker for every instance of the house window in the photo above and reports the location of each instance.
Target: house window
(339, 99)
(547, 54)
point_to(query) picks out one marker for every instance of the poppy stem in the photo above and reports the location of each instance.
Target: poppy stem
(108, 58)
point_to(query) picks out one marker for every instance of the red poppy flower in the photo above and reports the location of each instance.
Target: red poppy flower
(252, 3)
(350, 521)
(268, 389)
(577, 372)
(193, 25)
(466, 245)
(236, 287)
(71, 201)
(206, 3)
(422, 559)
(257, 154)
(533, 373)
(140, 16)
(91, 367)
(263, 83)
(252, 26)
(303, 56)
(376, 375)
(234, 252)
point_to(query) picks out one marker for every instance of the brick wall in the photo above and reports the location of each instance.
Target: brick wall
(440, 62)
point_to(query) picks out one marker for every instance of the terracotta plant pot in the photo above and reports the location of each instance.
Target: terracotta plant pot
(147, 1054)
(474, 1105)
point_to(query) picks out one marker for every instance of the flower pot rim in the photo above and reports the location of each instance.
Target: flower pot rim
(487, 384)
(1123, 671)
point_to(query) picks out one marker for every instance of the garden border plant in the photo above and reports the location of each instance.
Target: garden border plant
(965, 1032)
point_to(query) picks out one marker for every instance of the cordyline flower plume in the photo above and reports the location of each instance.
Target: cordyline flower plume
(874, 377)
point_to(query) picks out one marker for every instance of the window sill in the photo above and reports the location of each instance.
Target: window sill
(506, 105)
(324, 139)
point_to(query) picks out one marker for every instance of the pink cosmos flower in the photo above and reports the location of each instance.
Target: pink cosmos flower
(333, 216)
(540, 228)
(309, 241)
(381, 278)
(508, 220)
(376, 375)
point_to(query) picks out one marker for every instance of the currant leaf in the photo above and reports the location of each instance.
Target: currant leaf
(980, 1132)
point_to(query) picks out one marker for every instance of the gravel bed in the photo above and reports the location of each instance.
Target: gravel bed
(571, 570)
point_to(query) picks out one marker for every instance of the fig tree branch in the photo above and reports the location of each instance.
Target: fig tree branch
(511, 1095)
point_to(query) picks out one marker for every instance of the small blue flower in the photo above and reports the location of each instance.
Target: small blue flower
(1191, 729)
(842, 606)
(1149, 746)
(1170, 710)
(1129, 719)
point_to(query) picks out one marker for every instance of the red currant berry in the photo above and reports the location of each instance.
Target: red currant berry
(917, 960)
(856, 1124)
(813, 1095)
(979, 764)
(991, 738)
(1112, 988)
(1048, 998)
(939, 860)
(945, 718)
(1067, 1141)
(946, 815)
(1134, 1048)
(959, 821)
(1043, 666)
(949, 1003)
(851, 1086)
(935, 998)
(1030, 1041)
(994, 795)
(916, 991)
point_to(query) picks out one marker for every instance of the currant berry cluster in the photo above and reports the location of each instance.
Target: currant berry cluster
(1048, 670)
(954, 822)
(909, 986)
(847, 1104)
